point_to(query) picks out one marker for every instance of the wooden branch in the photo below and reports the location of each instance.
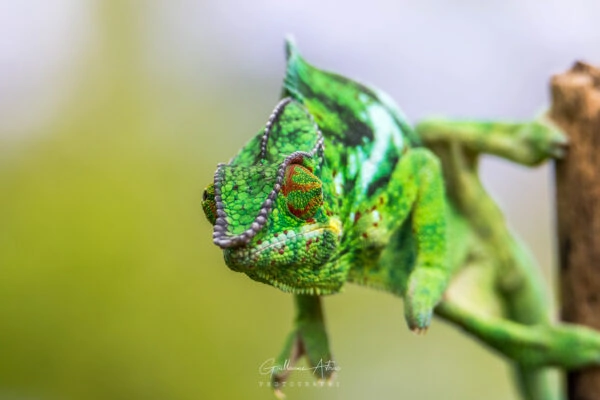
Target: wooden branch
(576, 109)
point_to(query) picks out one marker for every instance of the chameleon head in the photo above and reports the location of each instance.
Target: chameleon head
(273, 224)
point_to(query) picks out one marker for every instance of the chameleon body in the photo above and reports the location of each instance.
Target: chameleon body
(338, 188)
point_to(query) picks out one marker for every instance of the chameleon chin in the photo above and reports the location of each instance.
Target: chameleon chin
(337, 187)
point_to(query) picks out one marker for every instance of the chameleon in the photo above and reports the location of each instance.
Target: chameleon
(338, 188)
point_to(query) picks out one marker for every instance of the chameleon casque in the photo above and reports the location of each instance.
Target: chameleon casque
(338, 188)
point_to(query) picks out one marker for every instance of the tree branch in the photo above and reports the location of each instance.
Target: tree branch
(576, 109)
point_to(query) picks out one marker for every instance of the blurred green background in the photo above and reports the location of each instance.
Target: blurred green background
(113, 116)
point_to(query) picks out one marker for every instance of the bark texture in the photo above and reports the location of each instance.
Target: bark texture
(576, 109)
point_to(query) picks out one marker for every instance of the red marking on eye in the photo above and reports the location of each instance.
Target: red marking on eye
(306, 182)
(357, 216)
(365, 235)
(276, 234)
(235, 187)
(259, 242)
(281, 251)
(310, 220)
(285, 232)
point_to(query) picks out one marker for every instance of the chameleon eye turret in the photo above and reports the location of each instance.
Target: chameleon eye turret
(303, 192)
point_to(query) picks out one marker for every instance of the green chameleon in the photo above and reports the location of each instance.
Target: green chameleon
(338, 188)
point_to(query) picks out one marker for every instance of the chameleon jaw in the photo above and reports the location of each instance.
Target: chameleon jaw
(311, 231)
(294, 262)
(309, 290)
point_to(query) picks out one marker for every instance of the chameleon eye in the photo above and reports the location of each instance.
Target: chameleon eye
(303, 191)
(209, 205)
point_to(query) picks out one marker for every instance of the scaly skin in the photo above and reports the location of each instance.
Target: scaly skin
(339, 188)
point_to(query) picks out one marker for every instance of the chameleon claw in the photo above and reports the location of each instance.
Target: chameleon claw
(547, 139)
(420, 331)
(279, 394)
(418, 321)
(558, 148)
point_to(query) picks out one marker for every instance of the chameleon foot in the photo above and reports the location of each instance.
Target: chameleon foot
(309, 339)
(425, 289)
(300, 344)
(544, 140)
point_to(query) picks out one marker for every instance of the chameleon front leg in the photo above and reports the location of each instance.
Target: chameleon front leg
(416, 190)
(308, 338)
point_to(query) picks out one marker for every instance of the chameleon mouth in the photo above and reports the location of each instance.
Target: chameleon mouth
(322, 289)
(300, 270)
(278, 241)
(308, 232)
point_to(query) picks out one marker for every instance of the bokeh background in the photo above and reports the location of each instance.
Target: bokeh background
(113, 116)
